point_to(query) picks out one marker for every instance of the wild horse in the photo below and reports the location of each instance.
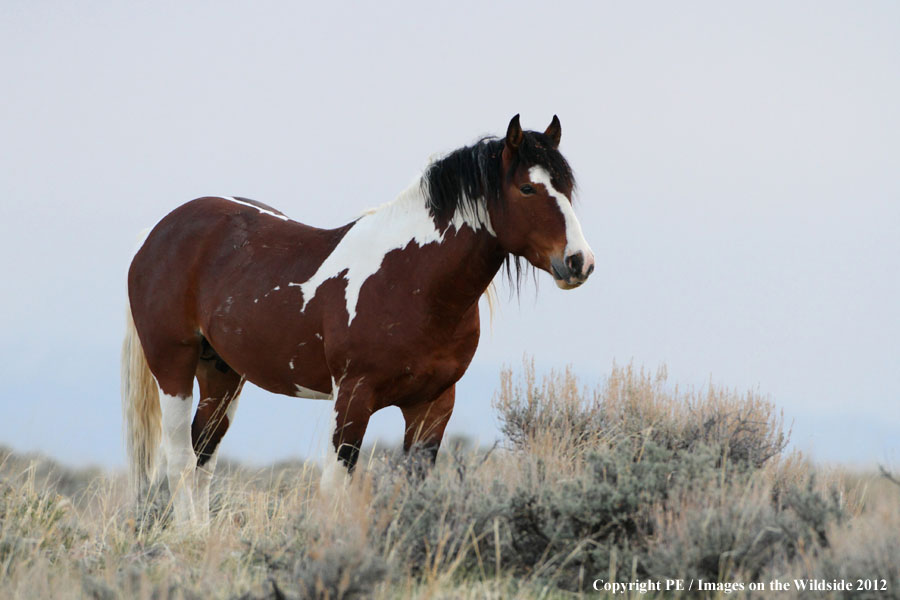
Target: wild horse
(380, 312)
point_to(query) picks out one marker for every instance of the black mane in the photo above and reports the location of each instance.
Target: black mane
(469, 175)
(472, 175)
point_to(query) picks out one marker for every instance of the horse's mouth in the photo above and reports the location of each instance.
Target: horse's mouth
(563, 280)
(564, 284)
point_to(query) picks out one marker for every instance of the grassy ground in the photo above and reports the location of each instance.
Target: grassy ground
(635, 481)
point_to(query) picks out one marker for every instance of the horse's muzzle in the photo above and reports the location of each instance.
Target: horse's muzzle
(573, 271)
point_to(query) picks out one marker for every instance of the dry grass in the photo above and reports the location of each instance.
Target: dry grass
(636, 479)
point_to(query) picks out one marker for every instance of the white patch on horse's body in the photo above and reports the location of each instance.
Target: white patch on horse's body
(291, 364)
(575, 241)
(259, 208)
(309, 393)
(377, 232)
(179, 452)
(276, 288)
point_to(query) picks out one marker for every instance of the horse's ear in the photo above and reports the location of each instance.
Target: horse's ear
(514, 135)
(554, 132)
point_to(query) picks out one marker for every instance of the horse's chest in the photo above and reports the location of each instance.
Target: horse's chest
(420, 379)
(410, 360)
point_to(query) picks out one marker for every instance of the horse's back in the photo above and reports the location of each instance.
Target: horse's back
(214, 232)
(212, 223)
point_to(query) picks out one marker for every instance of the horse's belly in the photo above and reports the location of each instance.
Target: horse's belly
(303, 375)
(299, 382)
(279, 360)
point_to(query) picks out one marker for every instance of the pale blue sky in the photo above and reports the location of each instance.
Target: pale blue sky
(738, 165)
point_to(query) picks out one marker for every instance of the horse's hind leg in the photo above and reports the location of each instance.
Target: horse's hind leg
(425, 423)
(173, 366)
(220, 387)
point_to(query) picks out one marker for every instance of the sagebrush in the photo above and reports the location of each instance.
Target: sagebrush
(635, 479)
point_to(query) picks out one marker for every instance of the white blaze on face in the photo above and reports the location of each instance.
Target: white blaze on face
(575, 241)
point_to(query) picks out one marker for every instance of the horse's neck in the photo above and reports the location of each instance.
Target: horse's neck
(464, 254)
(467, 254)
(470, 259)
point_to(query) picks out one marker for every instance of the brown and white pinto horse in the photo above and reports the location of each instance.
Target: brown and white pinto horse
(380, 312)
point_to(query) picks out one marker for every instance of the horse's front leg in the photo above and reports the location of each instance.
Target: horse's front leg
(353, 406)
(425, 423)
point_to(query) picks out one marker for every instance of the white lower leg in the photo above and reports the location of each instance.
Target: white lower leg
(334, 473)
(202, 478)
(180, 458)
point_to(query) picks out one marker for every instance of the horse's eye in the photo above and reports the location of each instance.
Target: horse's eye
(526, 189)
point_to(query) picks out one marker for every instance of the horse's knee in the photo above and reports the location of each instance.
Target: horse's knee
(352, 410)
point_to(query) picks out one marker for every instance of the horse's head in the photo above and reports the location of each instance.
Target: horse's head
(534, 218)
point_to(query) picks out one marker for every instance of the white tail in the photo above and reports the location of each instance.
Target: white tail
(140, 411)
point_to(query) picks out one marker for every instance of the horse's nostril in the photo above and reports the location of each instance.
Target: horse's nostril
(589, 271)
(575, 263)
